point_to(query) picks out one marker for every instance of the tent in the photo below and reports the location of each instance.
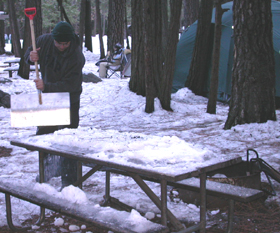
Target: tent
(186, 44)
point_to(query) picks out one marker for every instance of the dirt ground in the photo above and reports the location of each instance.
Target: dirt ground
(255, 217)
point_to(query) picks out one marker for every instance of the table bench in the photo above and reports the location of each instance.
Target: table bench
(12, 69)
(229, 192)
(15, 68)
(88, 212)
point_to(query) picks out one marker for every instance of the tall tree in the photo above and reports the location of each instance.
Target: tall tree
(2, 30)
(191, 8)
(169, 63)
(63, 14)
(137, 80)
(88, 28)
(126, 26)
(213, 91)
(253, 77)
(14, 29)
(165, 25)
(99, 26)
(152, 50)
(24, 68)
(115, 32)
(82, 22)
(197, 77)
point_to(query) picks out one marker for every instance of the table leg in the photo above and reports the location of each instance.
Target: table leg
(10, 72)
(174, 221)
(202, 202)
(107, 197)
(163, 184)
(79, 173)
(9, 215)
(81, 178)
(42, 177)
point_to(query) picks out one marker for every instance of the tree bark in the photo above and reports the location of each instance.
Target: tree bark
(88, 28)
(197, 78)
(2, 31)
(137, 80)
(191, 8)
(100, 33)
(169, 64)
(165, 26)
(126, 26)
(152, 50)
(253, 78)
(14, 29)
(63, 12)
(115, 24)
(82, 22)
(214, 84)
(24, 69)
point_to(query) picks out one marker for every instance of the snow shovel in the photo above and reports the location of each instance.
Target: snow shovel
(42, 109)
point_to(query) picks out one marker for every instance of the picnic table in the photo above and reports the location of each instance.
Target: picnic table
(11, 68)
(46, 144)
(15, 60)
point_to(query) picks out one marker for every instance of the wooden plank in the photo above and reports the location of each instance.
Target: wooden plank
(173, 173)
(103, 217)
(222, 190)
(15, 68)
(213, 188)
(14, 60)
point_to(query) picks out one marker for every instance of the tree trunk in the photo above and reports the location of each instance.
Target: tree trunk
(137, 80)
(14, 29)
(126, 27)
(169, 64)
(197, 78)
(88, 39)
(82, 22)
(63, 12)
(253, 77)
(152, 50)
(165, 26)
(115, 24)
(24, 68)
(110, 29)
(214, 84)
(2, 31)
(191, 8)
(98, 23)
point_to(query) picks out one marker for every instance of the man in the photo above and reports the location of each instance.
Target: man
(114, 61)
(61, 62)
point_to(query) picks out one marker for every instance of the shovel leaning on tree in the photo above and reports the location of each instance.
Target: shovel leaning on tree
(42, 109)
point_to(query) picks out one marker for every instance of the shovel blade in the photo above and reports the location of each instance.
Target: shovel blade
(26, 110)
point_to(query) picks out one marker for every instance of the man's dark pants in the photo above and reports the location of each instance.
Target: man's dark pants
(59, 166)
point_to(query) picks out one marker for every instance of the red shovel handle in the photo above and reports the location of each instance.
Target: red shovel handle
(28, 14)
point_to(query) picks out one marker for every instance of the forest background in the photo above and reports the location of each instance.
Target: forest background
(155, 28)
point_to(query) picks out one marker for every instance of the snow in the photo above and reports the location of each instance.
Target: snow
(113, 123)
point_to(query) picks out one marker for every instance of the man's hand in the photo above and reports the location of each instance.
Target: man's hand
(39, 84)
(34, 55)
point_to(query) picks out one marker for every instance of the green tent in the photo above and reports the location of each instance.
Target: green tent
(186, 44)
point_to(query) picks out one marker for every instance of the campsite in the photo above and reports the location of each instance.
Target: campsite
(108, 107)
(186, 44)
(135, 166)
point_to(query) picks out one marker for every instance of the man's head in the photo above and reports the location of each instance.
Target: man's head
(117, 46)
(62, 34)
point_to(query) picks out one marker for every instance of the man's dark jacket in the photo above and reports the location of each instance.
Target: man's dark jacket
(61, 71)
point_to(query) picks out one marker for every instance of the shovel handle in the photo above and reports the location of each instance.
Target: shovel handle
(28, 14)
(31, 16)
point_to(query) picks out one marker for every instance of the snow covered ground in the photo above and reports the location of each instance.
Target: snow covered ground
(109, 109)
